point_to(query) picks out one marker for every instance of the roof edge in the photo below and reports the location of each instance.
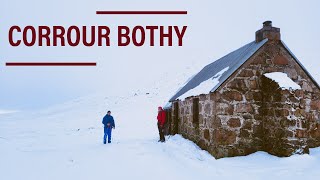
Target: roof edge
(233, 69)
(300, 64)
(225, 77)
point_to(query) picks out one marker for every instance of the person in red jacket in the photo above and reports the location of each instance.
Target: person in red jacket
(161, 121)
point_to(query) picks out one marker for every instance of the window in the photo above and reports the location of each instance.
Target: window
(195, 107)
(176, 118)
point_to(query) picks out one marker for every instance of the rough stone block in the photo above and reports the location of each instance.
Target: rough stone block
(281, 60)
(244, 133)
(315, 105)
(289, 133)
(243, 107)
(300, 112)
(224, 137)
(203, 97)
(310, 117)
(234, 122)
(299, 93)
(301, 133)
(206, 134)
(232, 95)
(247, 116)
(207, 108)
(246, 73)
(223, 108)
(247, 125)
(202, 144)
(253, 84)
(315, 132)
(282, 112)
(238, 84)
(307, 87)
(292, 73)
(216, 122)
(258, 131)
(258, 60)
(251, 95)
(200, 107)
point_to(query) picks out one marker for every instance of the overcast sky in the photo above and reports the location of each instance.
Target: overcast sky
(215, 28)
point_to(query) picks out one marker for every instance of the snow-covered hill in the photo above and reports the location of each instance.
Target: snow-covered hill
(65, 142)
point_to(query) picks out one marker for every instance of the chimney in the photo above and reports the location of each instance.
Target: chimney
(267, 31)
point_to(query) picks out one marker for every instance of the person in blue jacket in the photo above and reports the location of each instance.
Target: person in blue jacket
(108, 122)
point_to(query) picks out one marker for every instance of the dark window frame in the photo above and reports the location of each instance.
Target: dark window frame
(195, 112)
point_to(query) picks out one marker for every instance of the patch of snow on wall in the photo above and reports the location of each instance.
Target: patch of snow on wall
(205, 87)
(283, 80)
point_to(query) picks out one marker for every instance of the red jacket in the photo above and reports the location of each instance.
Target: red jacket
(161, 117)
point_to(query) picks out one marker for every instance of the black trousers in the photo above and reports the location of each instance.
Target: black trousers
(161, 132)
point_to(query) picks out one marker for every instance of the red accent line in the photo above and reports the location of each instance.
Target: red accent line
(51, 64)
(143, 12)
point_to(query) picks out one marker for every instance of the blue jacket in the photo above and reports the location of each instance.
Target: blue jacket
(108, 119)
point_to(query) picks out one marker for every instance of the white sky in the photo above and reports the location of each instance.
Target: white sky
(214, 29)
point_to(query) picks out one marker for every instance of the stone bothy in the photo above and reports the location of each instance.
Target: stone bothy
(245, 111)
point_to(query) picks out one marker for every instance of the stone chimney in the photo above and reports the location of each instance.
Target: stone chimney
(267, 31)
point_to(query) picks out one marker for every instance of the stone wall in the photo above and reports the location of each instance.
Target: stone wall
(284, 122)
(249, 112)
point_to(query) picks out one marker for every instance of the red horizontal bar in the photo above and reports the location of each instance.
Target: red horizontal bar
(51, 64)
(142, 12)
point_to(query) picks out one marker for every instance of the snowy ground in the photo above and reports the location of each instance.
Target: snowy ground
(65, 142)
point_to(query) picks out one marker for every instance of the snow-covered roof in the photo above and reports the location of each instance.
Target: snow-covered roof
(232, 60)
(283, 80)
(206, 86)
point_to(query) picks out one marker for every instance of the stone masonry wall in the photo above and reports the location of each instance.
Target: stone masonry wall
(249, 112)
(284, 121)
